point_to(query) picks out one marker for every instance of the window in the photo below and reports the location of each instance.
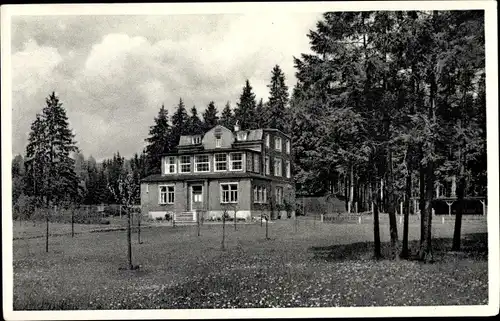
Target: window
(237, 162)
(167, 194)
(185, 164)
(242, 136)
(197, 192)
(229, 192)
(220, 162)
(277, 143)
(218, 142)
(259, 194)
(277, 167)
(288, 146)
(288, 170)
(256, 163)
(201, 163)
(196, 140)
(268, 140)
(279, 195)
(267, 166)
(170, 166)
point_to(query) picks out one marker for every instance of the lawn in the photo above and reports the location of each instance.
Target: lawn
(323, 265)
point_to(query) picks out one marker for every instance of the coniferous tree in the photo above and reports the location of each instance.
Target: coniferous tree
(195, 125)
(227, 118)
(159, 141)
(17, 177)
(180, 123)
(278, 100)
(261, 115)
(245, 110)
(210, 118)
(50, 166)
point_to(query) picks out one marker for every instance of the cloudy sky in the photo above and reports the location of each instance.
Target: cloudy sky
(112, 73)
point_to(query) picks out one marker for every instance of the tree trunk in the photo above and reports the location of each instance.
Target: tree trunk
(391, 207)
(129, 239)
(426, 247)
(422, 202)
(267, 229)
(376, 225)
(47, 231)
(223, 230)
(139, 228)
(351, 189)
(460, 208)
(404, 251)
(346, 193)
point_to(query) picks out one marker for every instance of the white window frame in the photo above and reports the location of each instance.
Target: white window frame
(268, 140)
(288, 170)
(220, 162)
(168, 165)
(218, 142)
(267, 165)
(278, 143)
(230, 191)
(256, 163)
(277, 161)
(184, 164)
(231, 162)
(288, 146)
(196, 140)
(279, 196)
(167, 193)
(265, 194)
(196, 163)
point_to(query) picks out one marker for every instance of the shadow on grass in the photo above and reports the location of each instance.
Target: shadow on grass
(473, 246)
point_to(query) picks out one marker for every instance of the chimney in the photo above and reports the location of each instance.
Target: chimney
(237, 126)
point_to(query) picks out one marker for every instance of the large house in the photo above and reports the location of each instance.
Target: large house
(247, 171)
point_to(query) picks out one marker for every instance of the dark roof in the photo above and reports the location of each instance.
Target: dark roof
(207, 151)
(202, 176)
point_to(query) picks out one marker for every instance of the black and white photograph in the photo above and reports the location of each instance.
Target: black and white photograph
(236, 160)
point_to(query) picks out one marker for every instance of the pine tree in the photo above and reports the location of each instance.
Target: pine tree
(245, 110)
(278, 100)
(180, 123)
(210, 118)
(261, 115)
(227, 118)
(159, 141)
(51, 170)
(18, 172)
(195, 125)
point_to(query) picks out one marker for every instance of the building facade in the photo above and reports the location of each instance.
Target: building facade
(247, 171)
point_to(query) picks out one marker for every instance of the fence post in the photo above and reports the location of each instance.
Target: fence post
(73, 222)
(442, 219)
(359, 220)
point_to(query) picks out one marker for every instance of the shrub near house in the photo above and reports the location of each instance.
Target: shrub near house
(243, 169)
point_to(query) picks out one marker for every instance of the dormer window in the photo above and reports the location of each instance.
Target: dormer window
(242, 135)
(218, 139)
(196, 140)
(288, 146)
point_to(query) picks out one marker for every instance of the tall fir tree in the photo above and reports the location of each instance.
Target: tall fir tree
(195, 125)
(261, 115)
(159, 141)
(180, 123)
(210, 118)
(278, 100)
(227, 118)
(50, 146)
(245, 110)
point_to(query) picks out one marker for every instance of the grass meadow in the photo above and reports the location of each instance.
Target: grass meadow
(310, 265)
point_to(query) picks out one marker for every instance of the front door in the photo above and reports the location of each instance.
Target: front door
(196, 197)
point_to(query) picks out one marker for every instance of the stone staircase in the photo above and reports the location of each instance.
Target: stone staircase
(184, 217)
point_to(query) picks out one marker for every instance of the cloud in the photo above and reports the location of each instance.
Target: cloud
(113, 73)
